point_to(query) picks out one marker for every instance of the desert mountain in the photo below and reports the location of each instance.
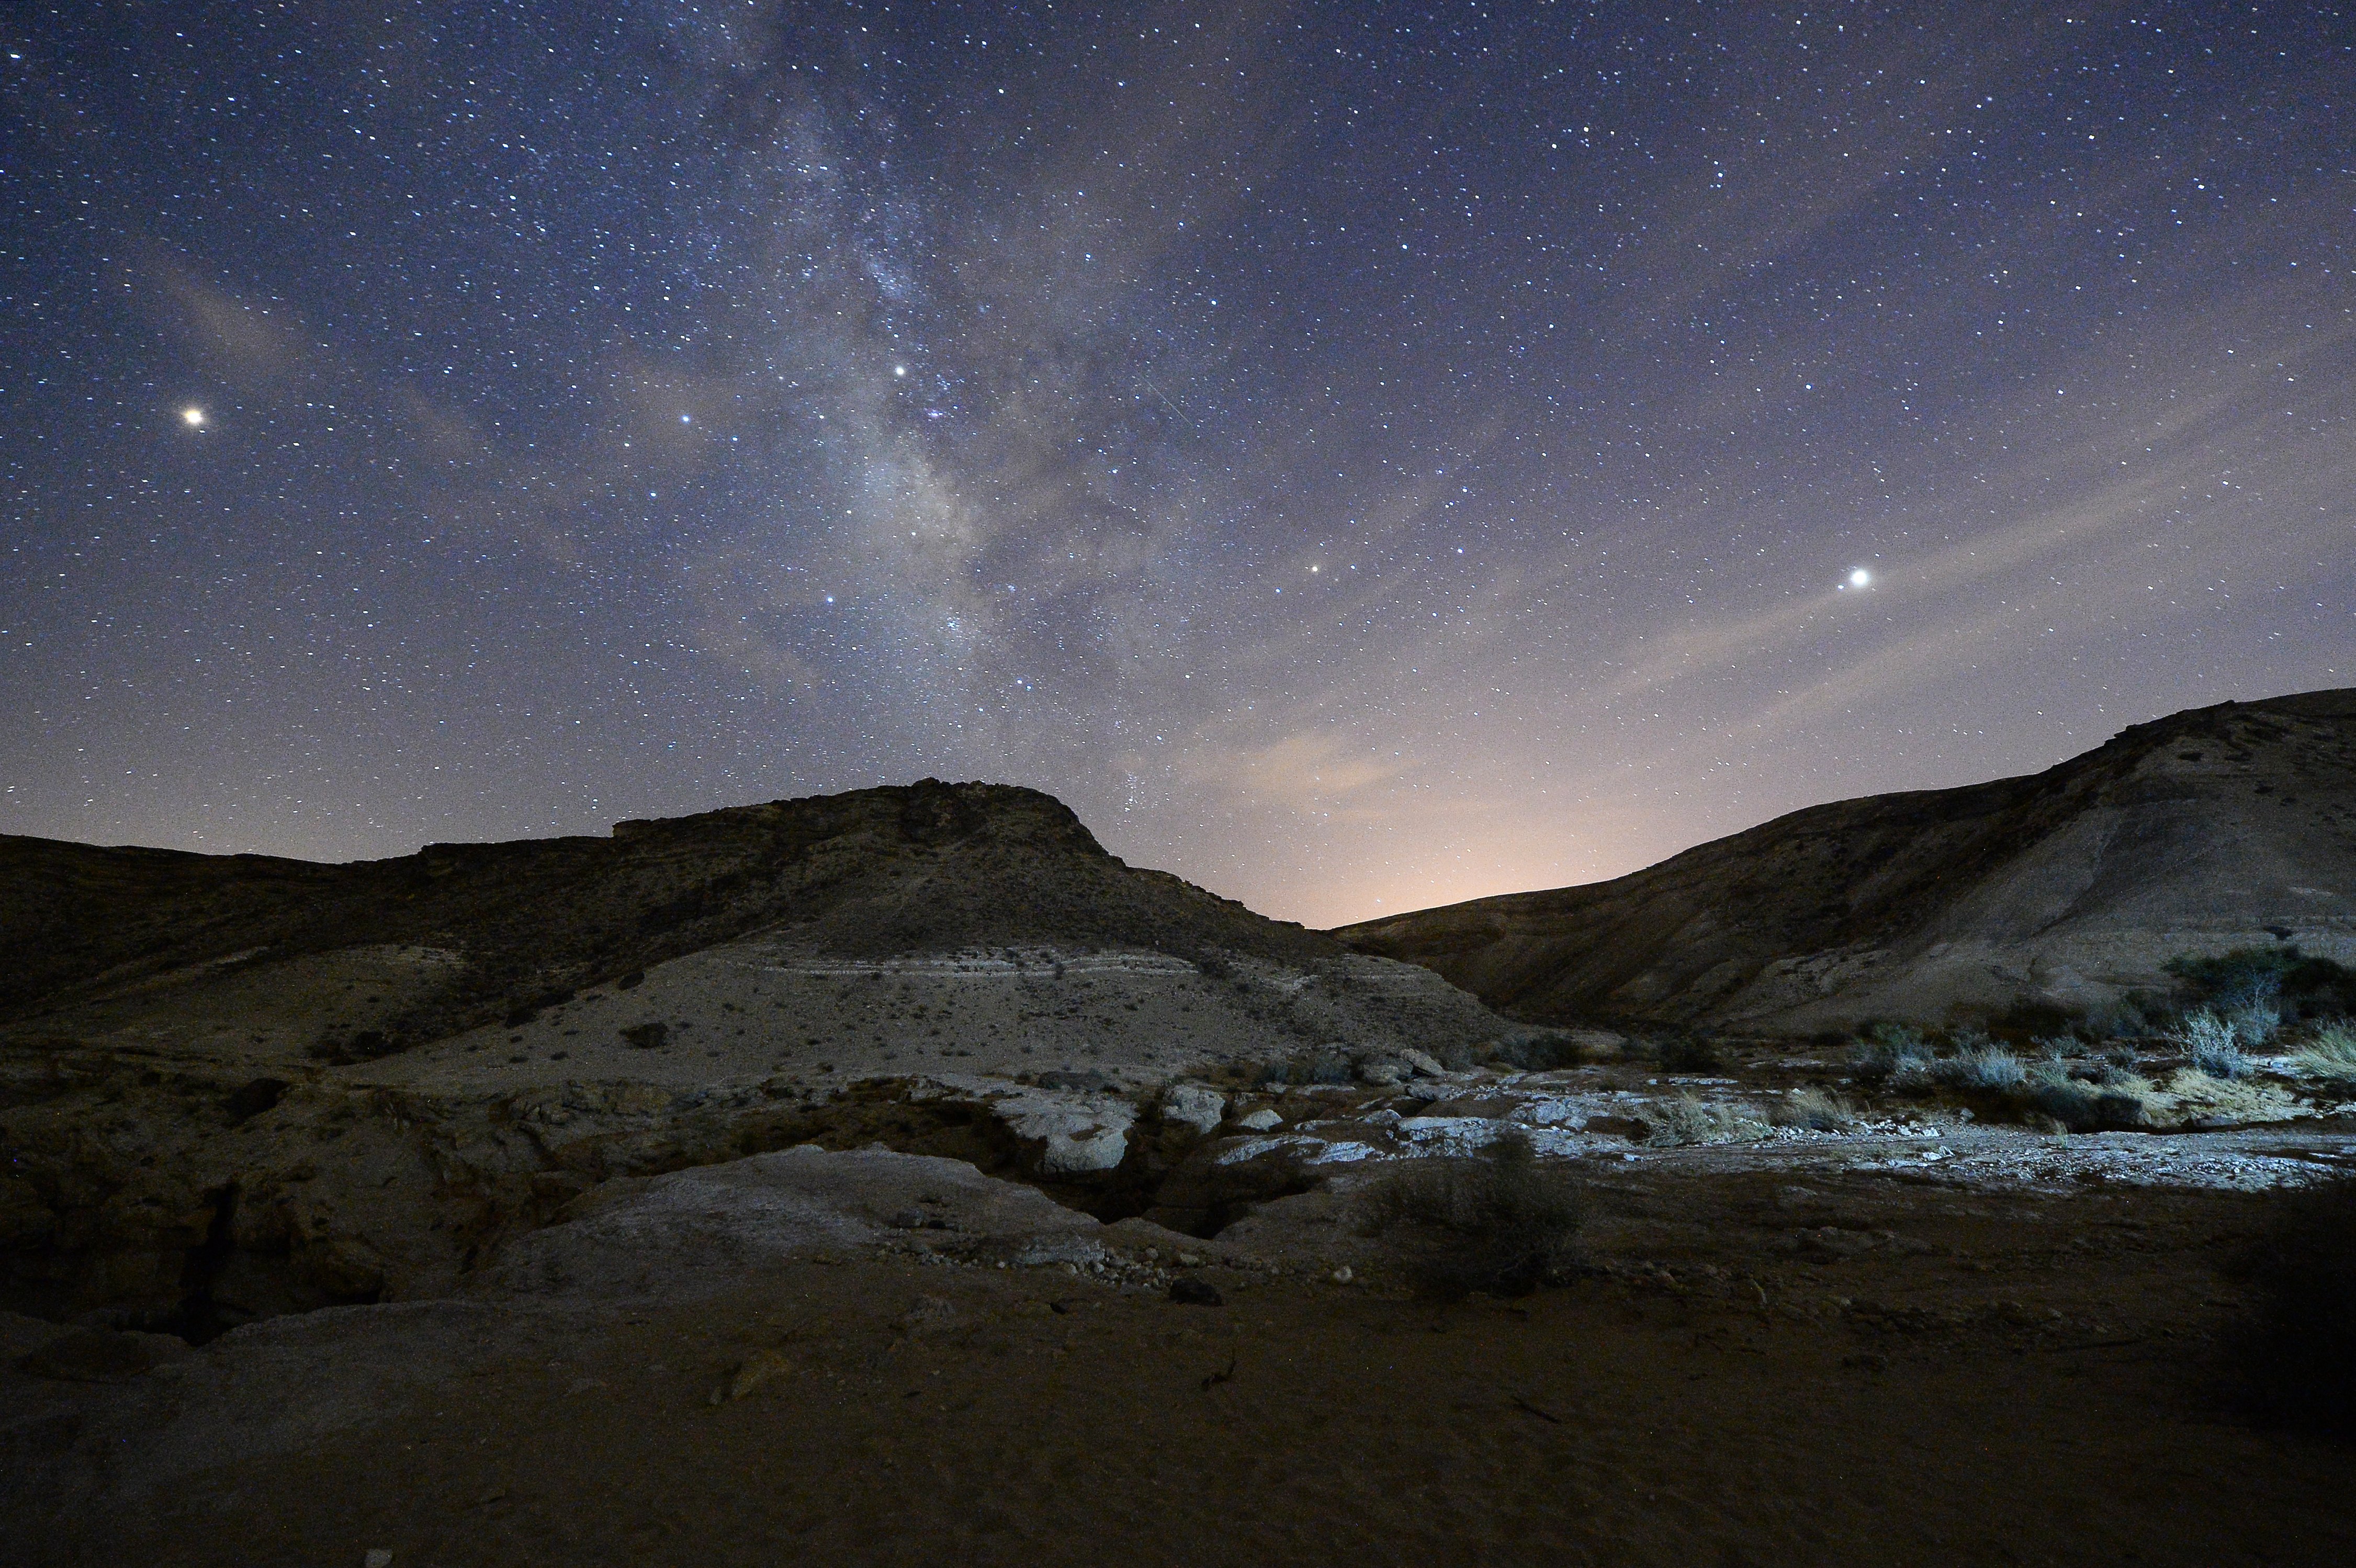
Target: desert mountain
(2213, 829)
(462, 934)
(236, 1086)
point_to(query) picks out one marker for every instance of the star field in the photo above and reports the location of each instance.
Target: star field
(1358, 456)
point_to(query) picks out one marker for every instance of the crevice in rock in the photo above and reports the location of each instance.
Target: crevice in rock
(198, 1320)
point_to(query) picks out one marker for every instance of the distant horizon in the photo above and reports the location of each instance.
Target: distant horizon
(606, 831)
(1368, 459)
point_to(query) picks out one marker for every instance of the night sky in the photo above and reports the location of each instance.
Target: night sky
(1358, 455)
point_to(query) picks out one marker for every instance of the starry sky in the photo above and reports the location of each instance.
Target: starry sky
(1359, 456)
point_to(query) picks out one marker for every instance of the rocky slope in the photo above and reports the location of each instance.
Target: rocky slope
(232, 1087)
(2213, 829)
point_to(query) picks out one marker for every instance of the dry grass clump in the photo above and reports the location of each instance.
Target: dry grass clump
(1817, 1109)
(2331, 1052)
(2198, 1097)
(1500, 1223)
(2295, 1360)
(1689, 1119)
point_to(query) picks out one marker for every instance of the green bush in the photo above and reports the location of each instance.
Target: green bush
(1502, 1223)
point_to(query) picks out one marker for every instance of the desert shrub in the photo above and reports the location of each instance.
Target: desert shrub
(2280, 977)
(647, 1036)
(2331, 1052)
(2134, 1014)
(2294, 1359)
(1500, 1223)
(1331, 1067)
(2212, 1043)
(2057, 1095)
(1536, 1051)
(2236, 978)
(2032, 1016)
(2256, 1026)
(2116, 1100)
(1689, 1119)
(1818, 1110)
(1688, 1053)
(1982, 1064)
(1891, 1052)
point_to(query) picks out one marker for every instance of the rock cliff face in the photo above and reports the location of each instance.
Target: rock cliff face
(232, 1087)
(2213, 829)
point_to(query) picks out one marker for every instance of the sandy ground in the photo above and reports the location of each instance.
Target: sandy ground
(1860, 1369)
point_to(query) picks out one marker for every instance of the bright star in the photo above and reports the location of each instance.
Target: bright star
(899, 370)
(193, 417)
(1859, 578)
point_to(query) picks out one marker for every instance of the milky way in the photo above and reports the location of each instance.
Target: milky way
(1359, 456)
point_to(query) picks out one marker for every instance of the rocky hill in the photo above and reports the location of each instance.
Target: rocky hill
(234, 1086)
(2213, 829)
(461, 934)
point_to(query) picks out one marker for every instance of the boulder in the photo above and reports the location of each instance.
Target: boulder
(1192, 1105)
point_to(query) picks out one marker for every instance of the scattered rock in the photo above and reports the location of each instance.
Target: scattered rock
(1422, 1062)
(1192, 1105)
(1191, 1291)
(1261, 1120)
(1343, 1275)
(1071, 1134)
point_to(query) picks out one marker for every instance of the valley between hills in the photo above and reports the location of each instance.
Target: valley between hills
(898, 1177)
